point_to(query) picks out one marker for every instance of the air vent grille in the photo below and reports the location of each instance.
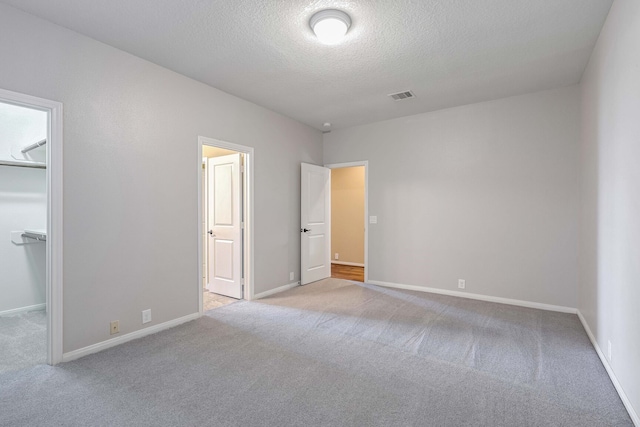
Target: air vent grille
(401, 96)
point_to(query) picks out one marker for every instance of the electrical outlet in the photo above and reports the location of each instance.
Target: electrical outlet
(337, 255)
(146, 316)
(462, 283)
(115, 327)
(609, 350)
(291, 276)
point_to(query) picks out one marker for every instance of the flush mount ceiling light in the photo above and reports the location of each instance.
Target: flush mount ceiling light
(330, 25)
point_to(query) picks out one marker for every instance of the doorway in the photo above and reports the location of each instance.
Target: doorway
(31, 214)
(320, 255)
(224, 223)
(347, 223)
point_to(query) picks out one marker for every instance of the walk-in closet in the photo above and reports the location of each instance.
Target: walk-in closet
(23, 221)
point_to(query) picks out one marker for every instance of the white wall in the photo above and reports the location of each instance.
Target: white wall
(23, 204)
(610, 248)
(130, 175)
(485, 192)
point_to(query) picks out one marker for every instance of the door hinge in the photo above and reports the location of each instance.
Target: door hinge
(242, 168)
(242, 225)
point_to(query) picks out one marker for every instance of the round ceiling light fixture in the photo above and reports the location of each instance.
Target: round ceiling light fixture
(330, 25)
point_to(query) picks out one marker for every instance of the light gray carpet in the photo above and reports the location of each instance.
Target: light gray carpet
(333, 353)
(23, 340)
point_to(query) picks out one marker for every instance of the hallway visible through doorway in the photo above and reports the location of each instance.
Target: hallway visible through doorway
(348, 223)
(222, 204)
(225, 223)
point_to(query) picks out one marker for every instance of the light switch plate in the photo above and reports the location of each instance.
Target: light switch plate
(373, 220)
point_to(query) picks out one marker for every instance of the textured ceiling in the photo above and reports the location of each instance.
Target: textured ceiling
(448, 52)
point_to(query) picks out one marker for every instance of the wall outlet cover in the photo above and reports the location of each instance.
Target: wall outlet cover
(337, 256)
(291, 276)
(114, 327)
(146, 316)
(462, 283)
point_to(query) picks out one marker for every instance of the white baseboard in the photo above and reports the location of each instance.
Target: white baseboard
(35, 307)
(623, 396)
(94, 348)
(353, 264)
(276, 290)
(500, 300)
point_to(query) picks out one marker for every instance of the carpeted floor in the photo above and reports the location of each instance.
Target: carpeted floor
(333, 353)
(23, 340)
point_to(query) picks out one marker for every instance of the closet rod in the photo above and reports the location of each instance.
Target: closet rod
(33, 146)
(22, 164)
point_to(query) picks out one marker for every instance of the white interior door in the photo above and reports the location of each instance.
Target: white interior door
(224, 235)
(315, 221)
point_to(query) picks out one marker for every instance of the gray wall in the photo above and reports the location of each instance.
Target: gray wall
(610, 248)
(130, 183)
(485, 192)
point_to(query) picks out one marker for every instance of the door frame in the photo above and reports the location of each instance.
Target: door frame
(54, 246)
(364, 163)
(248, 238)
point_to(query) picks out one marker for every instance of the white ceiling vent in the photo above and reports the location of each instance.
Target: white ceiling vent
(400, 96)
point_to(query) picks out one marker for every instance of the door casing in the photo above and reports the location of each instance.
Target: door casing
(364, 163)
(54, 246)
(248, 201)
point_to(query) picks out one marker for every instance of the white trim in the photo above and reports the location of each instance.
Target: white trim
(36, 307)
(353, 264)
(276, 290)
(248, 213)
(94, 348)
(364, 163)
(500, 300)
(54, 242)
(623, 396)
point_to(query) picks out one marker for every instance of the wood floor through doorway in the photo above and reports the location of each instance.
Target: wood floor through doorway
(211, 300)
(347, 272)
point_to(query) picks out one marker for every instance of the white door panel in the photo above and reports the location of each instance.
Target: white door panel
(223, 190)
(225, 228)
(316, 204)
(315, 221)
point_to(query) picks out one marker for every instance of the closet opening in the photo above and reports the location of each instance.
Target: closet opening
(30, 231)
(224, 223)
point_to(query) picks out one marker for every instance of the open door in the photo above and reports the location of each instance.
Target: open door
(225, 227)
(315, 221)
